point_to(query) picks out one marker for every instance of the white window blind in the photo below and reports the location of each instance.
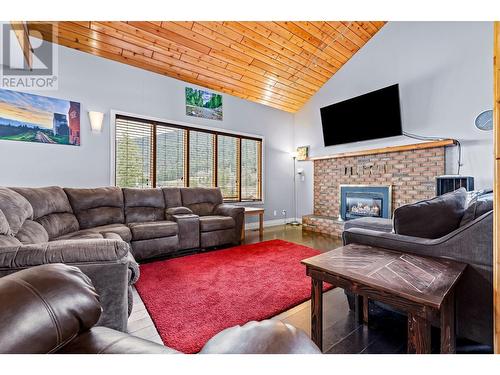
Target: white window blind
(133, 153)
(201, 159)
(156, 154)
(251, 169)
(170, 156)
(227, 166)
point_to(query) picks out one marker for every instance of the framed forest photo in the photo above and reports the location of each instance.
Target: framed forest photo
(204, 104)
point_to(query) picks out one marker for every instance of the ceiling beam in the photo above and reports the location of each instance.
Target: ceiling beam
(22, 34)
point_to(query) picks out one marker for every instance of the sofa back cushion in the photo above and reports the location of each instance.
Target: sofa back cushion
(15, 208)
(431, 218)
(4, 225)
(172, 197)
(143, 205)
(477, 207)
(51, 209)
(202, 201)
(9, 241)
(32, 232)
(96, 207)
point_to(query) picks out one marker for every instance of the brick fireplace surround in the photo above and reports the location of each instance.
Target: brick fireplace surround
(412, 175)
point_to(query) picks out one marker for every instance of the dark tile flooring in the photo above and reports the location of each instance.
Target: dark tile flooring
(385, 333)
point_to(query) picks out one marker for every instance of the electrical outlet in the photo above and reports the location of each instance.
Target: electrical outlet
(275, 212)
(283, 212)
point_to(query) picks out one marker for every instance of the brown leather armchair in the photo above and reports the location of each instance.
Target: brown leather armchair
(53, 309)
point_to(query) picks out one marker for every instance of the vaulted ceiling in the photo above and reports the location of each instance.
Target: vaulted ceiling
(280, 64)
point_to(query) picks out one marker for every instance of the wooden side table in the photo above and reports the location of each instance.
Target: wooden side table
(254, 211)
(423, 287)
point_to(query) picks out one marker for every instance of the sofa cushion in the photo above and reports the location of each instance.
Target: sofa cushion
(45, 200)
(111, 236)
(477, 207)
(100, 232)
(51, 209)
(96, 207)
(15, 208)
(172, 197)
(32, 232)
(59, 224)
(9, 241)
(4, 225)
(150, 230)
(213, 223)
(144, 205)
(431, 218)
(120, 229)
(84, 234)
(373, 223)
(202, 201)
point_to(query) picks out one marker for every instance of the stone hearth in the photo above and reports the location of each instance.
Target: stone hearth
(411, 173)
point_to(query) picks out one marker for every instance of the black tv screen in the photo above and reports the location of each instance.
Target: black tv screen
(369, 116)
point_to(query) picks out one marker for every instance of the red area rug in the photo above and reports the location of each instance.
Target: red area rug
(192, 298)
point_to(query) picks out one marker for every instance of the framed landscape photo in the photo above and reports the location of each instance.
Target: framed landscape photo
(204, 104)
(302, 153)
(34, 118)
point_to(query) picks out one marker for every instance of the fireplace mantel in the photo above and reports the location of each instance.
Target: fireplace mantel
(386, 150)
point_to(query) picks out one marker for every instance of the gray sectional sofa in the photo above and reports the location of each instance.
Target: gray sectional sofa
(104, 231)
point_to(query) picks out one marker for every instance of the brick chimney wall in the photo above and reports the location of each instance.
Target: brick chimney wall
(412, 175)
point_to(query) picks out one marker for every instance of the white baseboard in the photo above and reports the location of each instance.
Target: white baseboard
(270, 223)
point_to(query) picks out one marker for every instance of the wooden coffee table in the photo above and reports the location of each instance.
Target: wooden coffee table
(423, 287)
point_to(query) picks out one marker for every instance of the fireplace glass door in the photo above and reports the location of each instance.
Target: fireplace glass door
(362, 205)
(365, 201)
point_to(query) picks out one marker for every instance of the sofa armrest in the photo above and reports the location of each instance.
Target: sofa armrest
(264, 337)
(133, 268)
(471, 243)
(172, 211)
(105, 261)
(237, 213)
(178, 211)
(45, 307)
(67, 251)
(229, 210)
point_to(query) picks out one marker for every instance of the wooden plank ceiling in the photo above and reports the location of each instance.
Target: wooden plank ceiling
(280, 64)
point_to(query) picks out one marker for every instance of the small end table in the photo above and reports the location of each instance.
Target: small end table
(254, 211)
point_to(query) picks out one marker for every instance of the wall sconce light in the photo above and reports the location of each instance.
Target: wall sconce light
(96, 119)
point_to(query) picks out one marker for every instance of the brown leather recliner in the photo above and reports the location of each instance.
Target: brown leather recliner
(53, 309)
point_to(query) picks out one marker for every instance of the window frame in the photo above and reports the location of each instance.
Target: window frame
(114, 115)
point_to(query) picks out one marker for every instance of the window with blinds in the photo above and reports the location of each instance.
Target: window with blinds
(201, 159)
(156, 154)
(227, 166)
(251, 165)
(170, 156)
(133, 153)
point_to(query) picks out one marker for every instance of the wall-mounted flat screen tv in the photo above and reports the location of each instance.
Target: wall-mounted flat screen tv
(376, 114)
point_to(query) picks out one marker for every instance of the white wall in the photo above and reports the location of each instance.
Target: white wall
(445, 74)
(104, 85)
